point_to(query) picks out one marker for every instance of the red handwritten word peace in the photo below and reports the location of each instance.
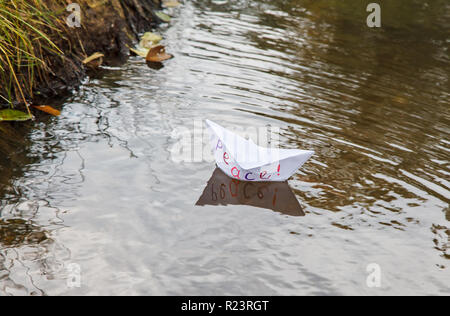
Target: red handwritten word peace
(249, 176)
(236, 172)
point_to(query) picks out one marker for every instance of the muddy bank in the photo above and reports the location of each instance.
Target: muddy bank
(105, 26)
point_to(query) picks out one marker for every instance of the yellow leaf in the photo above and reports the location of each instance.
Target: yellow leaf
(47, 109)
(164, 17)
(14, 115)
(171, 3)
(143, 52)
(149, 39)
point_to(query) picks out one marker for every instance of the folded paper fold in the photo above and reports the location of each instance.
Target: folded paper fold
(244, 160)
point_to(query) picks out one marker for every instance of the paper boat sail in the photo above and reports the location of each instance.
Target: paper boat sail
(242, 159)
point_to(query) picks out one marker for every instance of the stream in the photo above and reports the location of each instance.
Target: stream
(102, 196)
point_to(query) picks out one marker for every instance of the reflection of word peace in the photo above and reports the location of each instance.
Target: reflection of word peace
(247, 192)
(74, 19)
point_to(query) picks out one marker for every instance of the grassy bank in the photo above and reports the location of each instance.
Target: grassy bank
(40, 55)
(25, 29)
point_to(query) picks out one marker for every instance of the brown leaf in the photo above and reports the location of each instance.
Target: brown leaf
(158, 54)
(47, 109)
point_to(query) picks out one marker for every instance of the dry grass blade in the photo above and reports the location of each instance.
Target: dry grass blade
(93, 57)
(94, 61)
(23, 41)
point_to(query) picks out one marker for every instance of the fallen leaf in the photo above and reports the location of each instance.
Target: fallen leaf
(164, 17)
(141, 51)
(171, 3)
(158, 54)
(94, 60)
(47, 109)
(14, 115)
(149, 39)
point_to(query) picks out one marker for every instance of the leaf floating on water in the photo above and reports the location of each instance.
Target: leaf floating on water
(164, 17)
(155, 54)
(158, 54)
(171, 3)
(93, 57)
(143, 52)
(14, 116)
(149, 39)
(47, 109)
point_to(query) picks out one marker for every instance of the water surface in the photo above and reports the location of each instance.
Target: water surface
(98, 186)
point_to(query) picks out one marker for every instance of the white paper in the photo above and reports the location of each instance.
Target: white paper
(244, 160)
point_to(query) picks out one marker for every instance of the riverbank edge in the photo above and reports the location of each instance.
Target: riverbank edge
(106, 27)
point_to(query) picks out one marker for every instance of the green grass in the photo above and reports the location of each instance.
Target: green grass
(25, 26)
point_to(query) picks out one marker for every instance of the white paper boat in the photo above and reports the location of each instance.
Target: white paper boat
(244, 160)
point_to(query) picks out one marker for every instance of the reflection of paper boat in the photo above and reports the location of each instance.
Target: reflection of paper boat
(244, 160)
(277, 196)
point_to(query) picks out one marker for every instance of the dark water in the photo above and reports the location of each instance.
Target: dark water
(98, 187)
